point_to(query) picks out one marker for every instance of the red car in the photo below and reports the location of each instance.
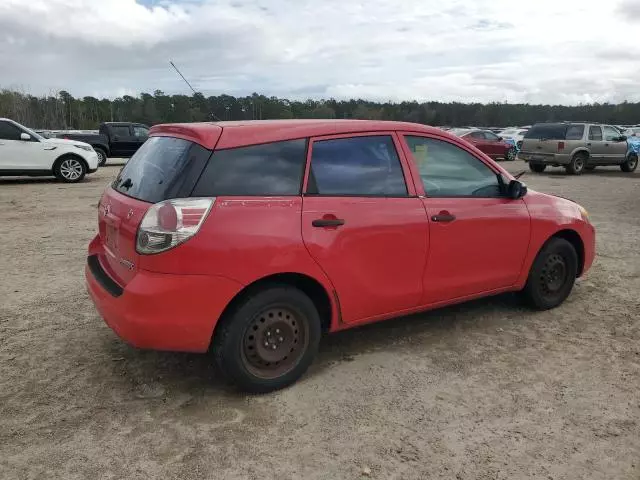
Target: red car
(488, 142)
(250, 239)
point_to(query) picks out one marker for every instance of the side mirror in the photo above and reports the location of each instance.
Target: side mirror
(622, 138)
(516, 189)
(500, 138)
(25, 137)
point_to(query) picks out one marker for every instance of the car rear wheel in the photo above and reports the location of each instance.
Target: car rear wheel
(269, 340)
(537, 167)
(630, 165)
(511, 154)
(552, 275)
(102, 156)
(70, 169)
(577, 164)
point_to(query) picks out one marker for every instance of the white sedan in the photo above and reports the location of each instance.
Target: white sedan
(515, 134)
(24, 152)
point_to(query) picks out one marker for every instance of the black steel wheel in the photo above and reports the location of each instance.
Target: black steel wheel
(268, 340)
(552, 275)
(630, 164)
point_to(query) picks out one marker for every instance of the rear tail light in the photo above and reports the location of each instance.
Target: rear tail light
(170, 223)
(560, 146)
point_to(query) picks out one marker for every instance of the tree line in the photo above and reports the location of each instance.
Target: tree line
(61, 110)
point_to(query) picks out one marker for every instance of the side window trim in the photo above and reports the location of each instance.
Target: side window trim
(415, 172)
(397, 143)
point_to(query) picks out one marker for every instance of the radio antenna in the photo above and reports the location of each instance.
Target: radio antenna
(192, 89)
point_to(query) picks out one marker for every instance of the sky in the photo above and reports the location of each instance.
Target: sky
(536, 51)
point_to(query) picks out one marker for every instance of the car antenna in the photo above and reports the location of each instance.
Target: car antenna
(518, 175)
(192, 89)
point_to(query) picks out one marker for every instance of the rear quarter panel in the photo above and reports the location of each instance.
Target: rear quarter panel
(245, 239)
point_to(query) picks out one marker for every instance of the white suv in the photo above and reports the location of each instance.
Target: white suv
(24, 152)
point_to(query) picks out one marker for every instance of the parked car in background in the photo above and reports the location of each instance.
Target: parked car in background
(632, 132)
(113, 140)
(515, 134)
(249, 239)
(23, 152)
(576, 147)
(488, 142)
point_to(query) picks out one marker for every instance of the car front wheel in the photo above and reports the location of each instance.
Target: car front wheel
(269, 340)
(102, 157)
(552, 275)
(70, 169)
(630, 165)
(511, 154)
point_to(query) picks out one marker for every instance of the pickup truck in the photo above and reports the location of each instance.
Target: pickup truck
(113, 140)
(577, 147)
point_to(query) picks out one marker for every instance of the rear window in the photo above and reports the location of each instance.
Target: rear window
(163, 168)
(270, 169)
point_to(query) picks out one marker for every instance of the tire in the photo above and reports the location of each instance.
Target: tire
(537, 167)
(70, 169)
(519, 144)
(577, 164)
(511, 154)
(268, 340)
(552, 275)
(102, 156)
(630, 164)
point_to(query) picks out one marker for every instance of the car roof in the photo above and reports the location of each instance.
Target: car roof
(252, 132)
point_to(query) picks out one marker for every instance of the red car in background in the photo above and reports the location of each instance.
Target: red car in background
(488, 142)
(250, 239)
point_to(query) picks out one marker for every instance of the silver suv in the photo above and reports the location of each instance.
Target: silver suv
(577, 147)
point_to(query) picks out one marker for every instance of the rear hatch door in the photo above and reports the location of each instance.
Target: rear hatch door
(163, 168)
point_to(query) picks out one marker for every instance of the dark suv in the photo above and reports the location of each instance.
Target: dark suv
(576, 147)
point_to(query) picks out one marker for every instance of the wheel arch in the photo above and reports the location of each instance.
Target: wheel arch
(69, 155)
(574, 238)
(581, 150)
(310, 286)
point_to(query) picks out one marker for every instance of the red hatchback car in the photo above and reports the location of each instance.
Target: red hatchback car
(250, 239)
(489, 143)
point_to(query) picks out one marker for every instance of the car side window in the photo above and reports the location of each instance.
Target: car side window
(8, 131)
(478, 135)
(356, 166)
(141, 132)
(595, 133)
(120, 131)
(490, 136)
(270, 169)
(447, 170)
(575, 132)
(610, 133)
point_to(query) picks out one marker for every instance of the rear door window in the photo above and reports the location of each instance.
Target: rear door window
(575, 132)
(163, 168)
(595, 133)
(120, 131)
(270, 169)
(356, 166)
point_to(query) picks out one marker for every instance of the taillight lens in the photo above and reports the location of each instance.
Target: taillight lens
(560, 146)
(170, 223)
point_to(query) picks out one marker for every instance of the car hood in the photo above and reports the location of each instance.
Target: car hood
(59, 141)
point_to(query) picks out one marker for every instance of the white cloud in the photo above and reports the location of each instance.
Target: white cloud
(487, 50)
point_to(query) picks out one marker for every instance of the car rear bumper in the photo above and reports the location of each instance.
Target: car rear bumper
(545, 158)
(161, 311)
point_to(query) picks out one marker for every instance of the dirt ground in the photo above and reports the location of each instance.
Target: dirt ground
(487, 390)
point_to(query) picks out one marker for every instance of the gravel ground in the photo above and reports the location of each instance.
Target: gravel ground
(486, 390)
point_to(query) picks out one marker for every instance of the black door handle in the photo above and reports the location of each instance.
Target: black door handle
(328, 222)
(588, 144)
(443, 218)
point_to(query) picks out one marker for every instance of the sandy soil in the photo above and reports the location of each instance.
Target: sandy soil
(486, 390)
